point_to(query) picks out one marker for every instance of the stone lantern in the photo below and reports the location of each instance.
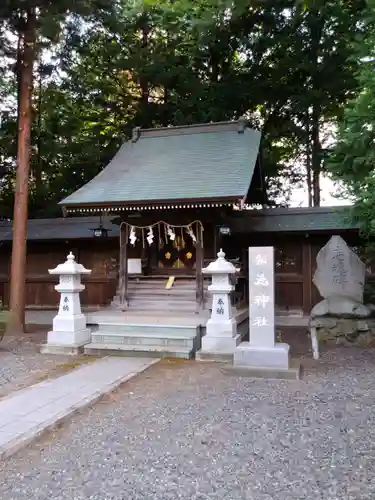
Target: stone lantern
(69, 331)
(221, 329)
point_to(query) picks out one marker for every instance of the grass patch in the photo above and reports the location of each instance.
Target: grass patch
(65, 368)
(174, 361)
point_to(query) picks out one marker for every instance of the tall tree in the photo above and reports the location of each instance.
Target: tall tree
(285, 63)
(322, 76)
(25, 22)
(352, 161)
(28, 20)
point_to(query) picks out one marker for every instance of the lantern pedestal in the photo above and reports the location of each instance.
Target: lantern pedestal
(221, 337)
(69, 333)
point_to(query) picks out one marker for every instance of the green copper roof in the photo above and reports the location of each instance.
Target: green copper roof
(289, 220)
(200, 162)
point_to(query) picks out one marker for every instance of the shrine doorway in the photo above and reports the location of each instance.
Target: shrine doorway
(179, 254)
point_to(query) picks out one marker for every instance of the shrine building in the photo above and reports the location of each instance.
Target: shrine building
(149, 223)
(174, 190)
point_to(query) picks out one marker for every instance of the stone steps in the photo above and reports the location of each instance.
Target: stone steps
(160, 304)
(151, 295)
(152, 338)
(147, 329)
(139, 351)
(177, 292)
(161, 283)
(150, 283)
(161, 340)
(144, 339)
(159, 300)
(146, 289)
(165, 308)
(139, 294)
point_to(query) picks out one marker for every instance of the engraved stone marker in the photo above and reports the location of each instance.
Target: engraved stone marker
(262, 353)
(261, 296)
(340, 272)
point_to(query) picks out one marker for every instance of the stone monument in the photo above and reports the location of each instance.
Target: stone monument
(221, 330)
(340, 272)
(262, 356)
(340, 278)
(69, 333)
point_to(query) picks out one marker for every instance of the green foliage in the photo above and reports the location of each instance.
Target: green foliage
(353, 159)
(108, 66)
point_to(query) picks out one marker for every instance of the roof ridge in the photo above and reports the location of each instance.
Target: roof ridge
(195, 128)
(193, 125)
(274, 211)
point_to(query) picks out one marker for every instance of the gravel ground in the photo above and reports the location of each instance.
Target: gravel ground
(183, 430)
(22, 365)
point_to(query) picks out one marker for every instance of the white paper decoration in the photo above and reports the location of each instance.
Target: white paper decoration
(150, 236)
(171, 233)
(132, 236)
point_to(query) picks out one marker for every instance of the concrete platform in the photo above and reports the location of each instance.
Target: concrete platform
(294, 372)
(44, 316)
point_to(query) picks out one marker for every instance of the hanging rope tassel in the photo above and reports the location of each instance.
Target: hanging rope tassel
(160, 237)
(182, 238)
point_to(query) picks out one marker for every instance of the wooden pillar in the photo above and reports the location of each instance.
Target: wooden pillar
(307, 276)
(123, 275)
(199, 274)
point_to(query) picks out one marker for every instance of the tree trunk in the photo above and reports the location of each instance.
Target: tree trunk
(18, 267)
(308, 161)
(143, 81)
(20, 43)
(165, 108)
(309, 182)
(316, 158)
(37, 166)
(316, 22)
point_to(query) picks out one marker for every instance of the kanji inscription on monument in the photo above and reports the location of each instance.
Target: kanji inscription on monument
(261, 296)
(339, 272)
(220, 307)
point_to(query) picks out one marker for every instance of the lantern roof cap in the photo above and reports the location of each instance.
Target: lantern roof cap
(70, 267)
(220, 265)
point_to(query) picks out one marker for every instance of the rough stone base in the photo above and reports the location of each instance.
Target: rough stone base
(216, 357)
(276, 357)
(224, 345)
(345, 331)
(294, 372)
(72, 350)
(69, 338)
